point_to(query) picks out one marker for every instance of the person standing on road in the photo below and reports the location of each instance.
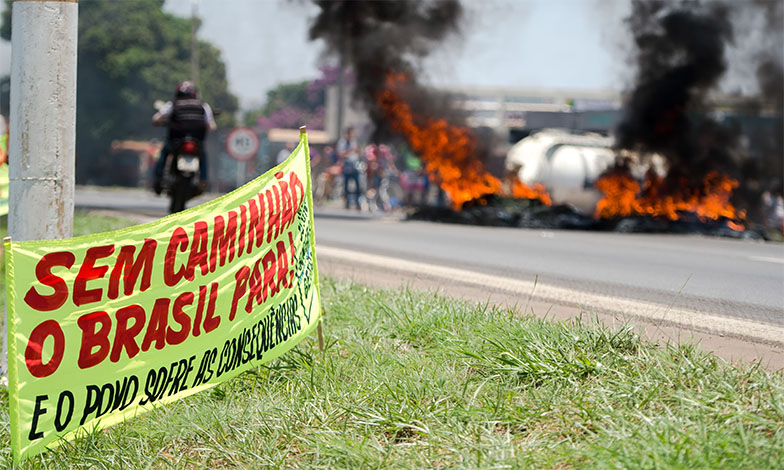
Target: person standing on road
(773, 209)
(349, 154)
(284, 153)
(185, 116)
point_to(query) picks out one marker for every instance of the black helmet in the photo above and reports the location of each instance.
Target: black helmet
(186, 90)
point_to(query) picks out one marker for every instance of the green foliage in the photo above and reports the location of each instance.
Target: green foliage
(291, 94)
(250, 118)
(130, 54)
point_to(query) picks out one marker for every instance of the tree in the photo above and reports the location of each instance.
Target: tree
(130, 54)
(290, 105)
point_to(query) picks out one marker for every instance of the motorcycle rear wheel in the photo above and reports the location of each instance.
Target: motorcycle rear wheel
(179, 194)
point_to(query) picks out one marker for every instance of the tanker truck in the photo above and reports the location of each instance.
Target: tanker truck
(567, 164)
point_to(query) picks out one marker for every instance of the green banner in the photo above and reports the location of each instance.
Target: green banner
(107, 326)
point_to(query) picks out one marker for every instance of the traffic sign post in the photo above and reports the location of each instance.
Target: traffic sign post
(242, 144)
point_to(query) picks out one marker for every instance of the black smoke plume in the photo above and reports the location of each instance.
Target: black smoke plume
(770, 78)
(680, 58)
(770, 74)
(379, 38)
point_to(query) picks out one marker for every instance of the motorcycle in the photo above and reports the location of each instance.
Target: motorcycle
(180, 169)
(182, 172)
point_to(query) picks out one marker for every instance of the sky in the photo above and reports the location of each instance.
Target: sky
(545, 44)
(553, 44)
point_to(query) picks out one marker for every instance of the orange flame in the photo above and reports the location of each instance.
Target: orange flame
(522, 191)
(448, 151)
(622, 197)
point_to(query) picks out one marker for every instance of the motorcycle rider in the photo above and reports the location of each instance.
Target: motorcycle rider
(185, 116)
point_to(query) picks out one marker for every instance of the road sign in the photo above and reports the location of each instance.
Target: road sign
(242, 144)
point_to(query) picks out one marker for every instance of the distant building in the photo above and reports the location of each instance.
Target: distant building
(512, 112)
(518, 112)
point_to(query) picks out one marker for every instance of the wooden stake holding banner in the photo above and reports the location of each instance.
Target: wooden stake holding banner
(320, 336)
(303, 131)
(4, 358)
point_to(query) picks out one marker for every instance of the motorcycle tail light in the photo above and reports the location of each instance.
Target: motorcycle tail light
(189, 147)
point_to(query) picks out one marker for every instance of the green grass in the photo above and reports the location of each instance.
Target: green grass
(415, 380)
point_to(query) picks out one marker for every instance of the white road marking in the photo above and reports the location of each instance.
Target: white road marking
(654, 312)
(767, 259)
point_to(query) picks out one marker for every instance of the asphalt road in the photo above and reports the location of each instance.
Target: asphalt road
(132, 201)
(739, 278)
(733, 278)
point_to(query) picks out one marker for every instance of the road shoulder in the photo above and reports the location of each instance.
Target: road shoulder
(730, 345)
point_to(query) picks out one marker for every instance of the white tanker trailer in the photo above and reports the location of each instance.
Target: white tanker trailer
(567, 165)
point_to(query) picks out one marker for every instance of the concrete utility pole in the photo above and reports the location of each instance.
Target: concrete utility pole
(341, 81)
(195, 42)
(42, 122)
